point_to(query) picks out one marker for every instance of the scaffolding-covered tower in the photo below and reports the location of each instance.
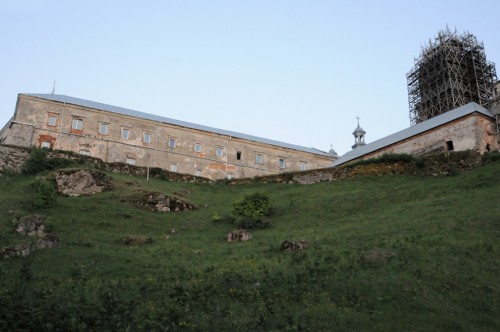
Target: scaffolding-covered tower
(452, 71)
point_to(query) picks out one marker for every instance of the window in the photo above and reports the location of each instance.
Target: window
(77, 124)
(259, 159)
(103, 128)
(125, 133)
(197, 147)
(45, 145)
(449, 145)
(171, 142)
(282, 163)
(197, 173)
(220, 151)
(238, 155)
(147, 138)
(52, 120)
(173, 168)
(85, 152)
(130, 161)
(230, 176)
(303, 166)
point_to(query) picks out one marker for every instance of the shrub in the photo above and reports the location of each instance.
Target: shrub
(252, 211)
(385, 158)
(490, 157)
(44, 194)
(38, 162)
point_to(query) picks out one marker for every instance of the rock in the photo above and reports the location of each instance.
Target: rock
(291, 245)
(174, 231)
(45, 241)
(238, 235)
(30, 225)
(82, 182)
(155, 201)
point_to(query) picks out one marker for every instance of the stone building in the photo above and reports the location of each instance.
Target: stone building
(469, 127)
(116, 134)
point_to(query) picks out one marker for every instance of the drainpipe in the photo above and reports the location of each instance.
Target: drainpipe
(227, 147)
(60, 127)
(156, 142)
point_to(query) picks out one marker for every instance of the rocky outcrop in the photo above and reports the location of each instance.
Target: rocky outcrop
(82, 182)
(238, 235)
(30, 225)
(159, 202)
(293, 245)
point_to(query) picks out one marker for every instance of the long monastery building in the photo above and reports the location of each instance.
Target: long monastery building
(116, 134)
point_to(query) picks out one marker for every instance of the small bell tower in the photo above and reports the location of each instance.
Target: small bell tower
(359, 136)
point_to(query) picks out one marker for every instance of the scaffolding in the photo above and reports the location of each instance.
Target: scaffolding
(450, 72)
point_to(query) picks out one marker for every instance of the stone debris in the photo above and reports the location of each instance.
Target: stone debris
(159, 202)
(238, 235)
(30, 225)
(82, 182)
(292, 245)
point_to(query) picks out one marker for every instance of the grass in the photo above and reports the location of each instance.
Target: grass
(385, 253)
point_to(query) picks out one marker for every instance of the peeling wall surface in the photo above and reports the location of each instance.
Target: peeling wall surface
(120, 138)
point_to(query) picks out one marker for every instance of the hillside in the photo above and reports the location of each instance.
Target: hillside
(384, 253)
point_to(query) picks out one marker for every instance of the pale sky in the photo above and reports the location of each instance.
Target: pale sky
(293, 71)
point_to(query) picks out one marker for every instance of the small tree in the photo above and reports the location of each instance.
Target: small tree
(44, 194)
(252, 211)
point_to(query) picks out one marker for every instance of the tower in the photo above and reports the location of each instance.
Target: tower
(450, 72)
(359, 136)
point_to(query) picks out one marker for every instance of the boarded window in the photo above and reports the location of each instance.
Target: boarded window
(147, 138)
(220, 151)
(171, 143)
(259, 159)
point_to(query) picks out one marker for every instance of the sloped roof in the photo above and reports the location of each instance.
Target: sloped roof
(412, 131)
(142, 115)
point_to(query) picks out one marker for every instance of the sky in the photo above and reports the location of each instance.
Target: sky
(296, 71)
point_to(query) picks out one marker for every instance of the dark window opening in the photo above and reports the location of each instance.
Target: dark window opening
(488, 147)
(238, 155)
(449, 145)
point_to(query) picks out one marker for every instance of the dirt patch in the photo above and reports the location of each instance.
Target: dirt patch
(158, 202)
(377, 256)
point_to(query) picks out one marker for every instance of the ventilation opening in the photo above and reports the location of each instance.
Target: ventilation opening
(449, 145)
(238, 155)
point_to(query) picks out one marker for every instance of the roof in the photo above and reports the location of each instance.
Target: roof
(152, 117)
(412, 131)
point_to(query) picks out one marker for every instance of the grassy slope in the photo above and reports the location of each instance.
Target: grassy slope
(444, 275)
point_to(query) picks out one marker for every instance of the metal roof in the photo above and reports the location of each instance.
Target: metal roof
(142, 115)
(412, 131)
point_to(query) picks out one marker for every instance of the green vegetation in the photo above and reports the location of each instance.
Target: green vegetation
(252, 211)
(384, 253)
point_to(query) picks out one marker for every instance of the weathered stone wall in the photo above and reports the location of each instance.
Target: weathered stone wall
(12, 158)
(474, 132)
(31, 127)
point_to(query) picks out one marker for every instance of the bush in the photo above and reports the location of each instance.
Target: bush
(252, 211)
(38, 162)
(490, 157)
(385, 158)
(44, 194)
